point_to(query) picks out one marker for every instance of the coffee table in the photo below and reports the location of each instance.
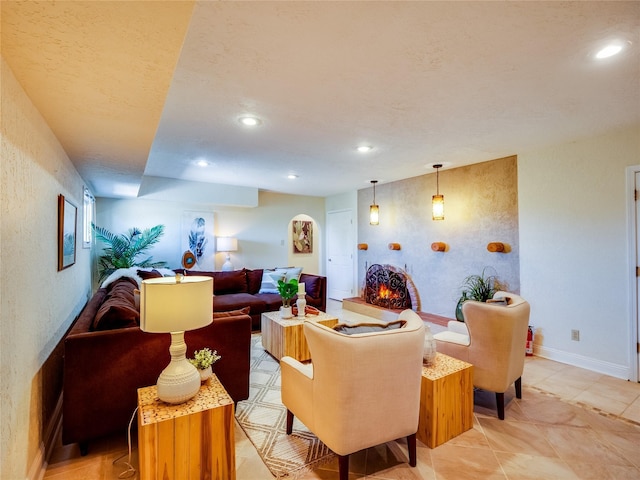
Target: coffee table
(285, 337)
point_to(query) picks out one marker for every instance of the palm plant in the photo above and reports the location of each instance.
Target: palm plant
(124, 249)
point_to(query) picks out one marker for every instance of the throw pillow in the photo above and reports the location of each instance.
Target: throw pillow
(232, 313)
(118, 309)
(270, 281)
(147, 274)
(290, 272)
(367, 327)
(254, 279)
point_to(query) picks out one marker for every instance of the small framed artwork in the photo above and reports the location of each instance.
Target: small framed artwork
(67, 215)
(302, 236)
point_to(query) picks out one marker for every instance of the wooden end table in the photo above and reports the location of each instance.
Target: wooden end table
(285, 337)
(446, 400)
(187, 441)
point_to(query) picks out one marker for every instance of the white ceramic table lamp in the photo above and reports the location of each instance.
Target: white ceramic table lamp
(227, 244)
(174, 305)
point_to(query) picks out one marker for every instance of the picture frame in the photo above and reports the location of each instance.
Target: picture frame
(302, 236)
(67, 220)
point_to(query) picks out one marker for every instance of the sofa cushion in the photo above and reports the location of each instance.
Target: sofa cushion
(224, 282)
(254, 279)
(234, 301)
(273, 301)
(312, 285)
(232, 313)
(270, 279)
(118, 309)
(290, 273)
(367, 327)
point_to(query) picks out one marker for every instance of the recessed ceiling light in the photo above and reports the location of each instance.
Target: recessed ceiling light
(291, 176)
(364, 148)
(202, 163)
(250, 121)
(609, 51)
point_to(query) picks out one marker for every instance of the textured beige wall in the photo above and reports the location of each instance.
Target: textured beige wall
(38, 303)
(481, 206)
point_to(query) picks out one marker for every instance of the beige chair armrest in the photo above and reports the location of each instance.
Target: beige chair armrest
(458, 327)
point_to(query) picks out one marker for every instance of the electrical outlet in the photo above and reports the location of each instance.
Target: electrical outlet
(575, 335)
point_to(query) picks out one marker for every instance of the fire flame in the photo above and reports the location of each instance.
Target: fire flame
(386, 293)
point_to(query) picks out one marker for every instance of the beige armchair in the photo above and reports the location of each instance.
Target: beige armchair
(361, 390)
(492, 338)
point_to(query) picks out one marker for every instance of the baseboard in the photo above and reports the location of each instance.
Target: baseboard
(39, 465)
(600, 366)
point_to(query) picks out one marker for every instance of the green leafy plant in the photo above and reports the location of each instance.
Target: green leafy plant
(123, 250)
(287, 291)
(204, 358)
(478, 287)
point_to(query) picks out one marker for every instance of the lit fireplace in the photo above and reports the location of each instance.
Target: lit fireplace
(386, 286)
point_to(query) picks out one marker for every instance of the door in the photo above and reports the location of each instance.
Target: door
(340, 256)
(637, 269)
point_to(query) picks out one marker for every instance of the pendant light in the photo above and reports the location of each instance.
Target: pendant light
(374, 210)
(437, 201)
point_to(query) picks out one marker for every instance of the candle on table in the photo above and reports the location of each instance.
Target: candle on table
(301, 288)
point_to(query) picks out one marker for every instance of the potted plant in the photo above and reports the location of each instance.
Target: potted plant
(203, 360)
(287, 290)
(477, 287)
(123, 249)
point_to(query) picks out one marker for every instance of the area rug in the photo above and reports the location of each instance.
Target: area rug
(263, 419)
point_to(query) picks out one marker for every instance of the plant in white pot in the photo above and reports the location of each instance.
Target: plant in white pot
(287, 290)
(203, 360)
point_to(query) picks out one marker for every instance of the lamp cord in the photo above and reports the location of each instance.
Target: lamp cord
(130, 471)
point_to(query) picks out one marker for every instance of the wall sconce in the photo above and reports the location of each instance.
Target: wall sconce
(374, 210)
(394, 246)
(437, 201)
(363, 246)
(439, 246)
(496, 247)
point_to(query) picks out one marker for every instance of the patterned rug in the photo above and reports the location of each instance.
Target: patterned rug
(263, 419)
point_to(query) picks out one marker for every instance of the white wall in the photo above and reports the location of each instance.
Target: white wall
(263, 232)
(574, 253)
(38, 303)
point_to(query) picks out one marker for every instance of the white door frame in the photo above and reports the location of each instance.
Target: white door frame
(632, 225)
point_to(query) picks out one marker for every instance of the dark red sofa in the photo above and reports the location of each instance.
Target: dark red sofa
(104, 368)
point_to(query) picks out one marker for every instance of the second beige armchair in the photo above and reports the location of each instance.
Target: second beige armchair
(492, 339)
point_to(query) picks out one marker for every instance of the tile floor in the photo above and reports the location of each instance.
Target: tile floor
(570, 424)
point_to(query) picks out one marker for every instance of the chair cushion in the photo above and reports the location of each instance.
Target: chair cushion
(367, 327)
(452, 337)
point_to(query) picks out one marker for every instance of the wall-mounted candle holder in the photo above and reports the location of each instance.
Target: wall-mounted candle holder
(394, 246)
(439, 246)
(363, 246)
(496, 247)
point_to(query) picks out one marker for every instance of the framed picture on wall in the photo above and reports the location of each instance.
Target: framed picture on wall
(67, 215)
(302, 236)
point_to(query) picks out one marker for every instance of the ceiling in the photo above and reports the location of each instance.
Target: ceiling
(147, 88)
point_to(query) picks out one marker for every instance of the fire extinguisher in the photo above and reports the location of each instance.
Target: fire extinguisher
(529, 346)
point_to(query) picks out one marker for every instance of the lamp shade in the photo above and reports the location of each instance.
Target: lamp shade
(173, 304)
(437, 207)
(227, 244)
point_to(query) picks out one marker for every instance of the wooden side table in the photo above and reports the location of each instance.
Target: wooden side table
(446, 400)
(188, 441)
(285, 337)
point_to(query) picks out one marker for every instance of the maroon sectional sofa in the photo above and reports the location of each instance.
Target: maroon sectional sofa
(107, 358)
